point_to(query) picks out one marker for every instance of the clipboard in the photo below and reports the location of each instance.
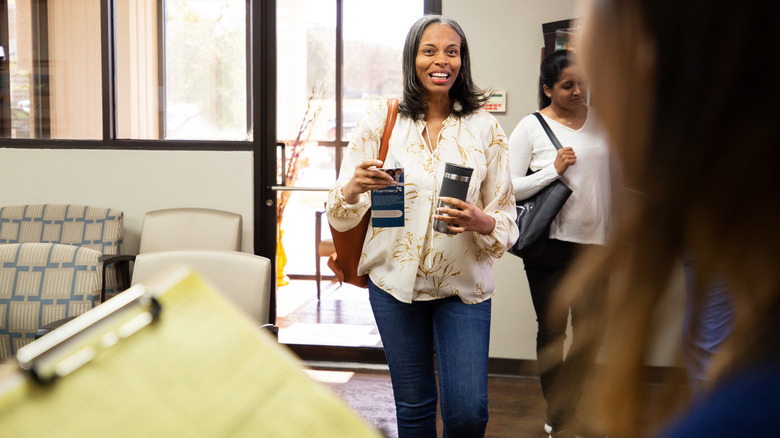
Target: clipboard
(174, 359)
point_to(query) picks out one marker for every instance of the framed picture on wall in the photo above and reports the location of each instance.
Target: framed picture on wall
(558, 35)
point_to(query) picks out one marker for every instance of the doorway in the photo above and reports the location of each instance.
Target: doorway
(334, 61)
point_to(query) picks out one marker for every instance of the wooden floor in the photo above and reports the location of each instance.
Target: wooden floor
(343, 317)
(516, 408)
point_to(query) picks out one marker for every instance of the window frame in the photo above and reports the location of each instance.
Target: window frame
(5, 86)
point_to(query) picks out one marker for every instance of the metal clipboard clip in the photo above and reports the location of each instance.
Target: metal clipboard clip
(78, 341)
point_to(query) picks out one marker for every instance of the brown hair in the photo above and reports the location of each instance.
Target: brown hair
(672, 82)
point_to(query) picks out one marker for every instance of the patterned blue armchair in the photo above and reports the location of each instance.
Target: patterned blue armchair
(91, 227)
(41, 283)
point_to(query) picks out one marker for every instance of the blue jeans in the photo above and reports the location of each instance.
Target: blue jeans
(460, 334)
(705, 327)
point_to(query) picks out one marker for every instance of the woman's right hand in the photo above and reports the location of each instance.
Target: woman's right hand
(365, 178)
(564, 159)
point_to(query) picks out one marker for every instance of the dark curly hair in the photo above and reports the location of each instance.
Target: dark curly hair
(465, 97)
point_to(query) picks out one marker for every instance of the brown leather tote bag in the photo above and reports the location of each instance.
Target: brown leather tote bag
(349, 244)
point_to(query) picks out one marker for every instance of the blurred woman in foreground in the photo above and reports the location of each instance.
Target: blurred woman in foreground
(687, 93)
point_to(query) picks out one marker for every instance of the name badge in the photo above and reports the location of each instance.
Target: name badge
(387, 204)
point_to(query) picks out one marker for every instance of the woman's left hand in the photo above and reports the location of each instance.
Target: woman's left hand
(465, 217)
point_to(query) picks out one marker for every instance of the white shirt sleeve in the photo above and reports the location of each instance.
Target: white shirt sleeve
(527, 149)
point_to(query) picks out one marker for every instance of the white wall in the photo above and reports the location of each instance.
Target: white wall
(132, 181)
(505, 39)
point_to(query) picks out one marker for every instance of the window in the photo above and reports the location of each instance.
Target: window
(53, 70)
(205, 66)
(180, 70)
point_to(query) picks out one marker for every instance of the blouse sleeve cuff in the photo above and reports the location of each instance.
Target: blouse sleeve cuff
(342, 215)
(497, 242)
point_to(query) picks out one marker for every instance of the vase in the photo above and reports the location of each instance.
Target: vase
(281, 261)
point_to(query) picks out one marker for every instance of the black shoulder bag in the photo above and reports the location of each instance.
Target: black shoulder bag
(535, 214)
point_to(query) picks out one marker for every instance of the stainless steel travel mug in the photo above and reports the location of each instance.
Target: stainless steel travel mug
(454, 185)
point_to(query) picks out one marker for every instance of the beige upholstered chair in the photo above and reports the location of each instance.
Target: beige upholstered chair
(176, 228)
(41, 283)
(242, 278)
(81, 225)
(186, 228)
(190, 228)
(323, 247)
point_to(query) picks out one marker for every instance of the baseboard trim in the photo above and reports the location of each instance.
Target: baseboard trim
(375, 356)
(513, 367)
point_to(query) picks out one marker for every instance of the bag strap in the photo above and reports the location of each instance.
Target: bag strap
(392, 113)
(548, 130)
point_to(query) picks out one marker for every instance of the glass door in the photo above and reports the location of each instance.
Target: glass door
(335, 59)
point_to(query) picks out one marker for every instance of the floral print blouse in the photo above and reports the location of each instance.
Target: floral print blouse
(414, 262)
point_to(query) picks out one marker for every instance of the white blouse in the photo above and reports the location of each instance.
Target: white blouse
(414, 262)
(586, 216)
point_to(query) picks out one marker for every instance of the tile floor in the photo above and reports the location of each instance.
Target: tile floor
(341, 317)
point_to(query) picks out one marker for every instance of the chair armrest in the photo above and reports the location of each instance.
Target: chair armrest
(122, 262)
(118, 258)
